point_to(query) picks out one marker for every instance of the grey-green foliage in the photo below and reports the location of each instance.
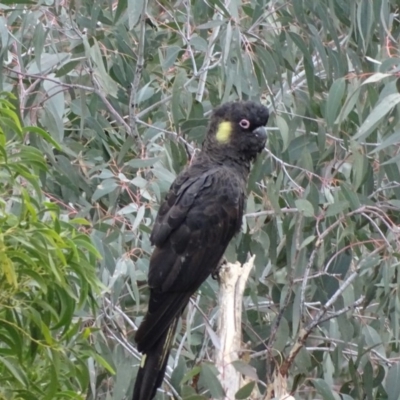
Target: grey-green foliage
(324, 200)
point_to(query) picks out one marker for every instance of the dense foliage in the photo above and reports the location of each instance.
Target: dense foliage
(125, 88)
(47, 278)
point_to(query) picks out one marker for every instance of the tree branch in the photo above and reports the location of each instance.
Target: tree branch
(233, 279)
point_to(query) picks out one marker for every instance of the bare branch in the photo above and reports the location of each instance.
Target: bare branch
(284, 210)
(343, 310)
(319, 317)
(233, 279)
(94, 90)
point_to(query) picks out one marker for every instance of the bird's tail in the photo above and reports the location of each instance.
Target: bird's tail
(153, 364)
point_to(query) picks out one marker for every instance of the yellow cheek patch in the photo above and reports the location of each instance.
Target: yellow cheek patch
(224, 132)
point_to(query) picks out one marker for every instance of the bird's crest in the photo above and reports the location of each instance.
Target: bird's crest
(224, 132)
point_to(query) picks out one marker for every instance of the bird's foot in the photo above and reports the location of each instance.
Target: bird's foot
(215, 274)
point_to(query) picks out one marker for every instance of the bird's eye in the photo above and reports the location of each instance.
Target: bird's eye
(244, 123)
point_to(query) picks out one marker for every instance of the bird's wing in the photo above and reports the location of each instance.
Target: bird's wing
(178, 202)
(195, 224)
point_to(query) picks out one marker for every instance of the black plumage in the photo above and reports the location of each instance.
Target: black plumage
(201, 213)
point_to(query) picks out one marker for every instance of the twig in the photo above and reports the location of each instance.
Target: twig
(207, 60)
(323, 310)
(305, 280)
(188, 146)
(284, 165)
(185, 36)
(41, 77)
(94, 90)
(343, 310)
(138, 72)
(275, 325)
(343, 249)
(305, 332)
(284, 210)
(320, 315)
(127, 319)
(377, 228)
(189, 323)
(109, 106)
(338, 341)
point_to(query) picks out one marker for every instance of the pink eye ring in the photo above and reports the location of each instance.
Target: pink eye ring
(244, 123)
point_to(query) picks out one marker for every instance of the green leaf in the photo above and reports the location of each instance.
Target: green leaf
(377, 77)
(107, 186)
(368, 379)
(43, 134)
(359, 169)
(334, 102)
(353, 93)
(15, 371)
(47, 62)
(282, 336)
(392, 139)
(171, 55)
(305, 207)
(336, 208)
(12, 115)
(208, 376)
(211, 24)
(283, 130)
(380, 111)
(273, 191)
(324, 390)
(38, 43)
(68, 67)
(107, 83)
(245, 391)
(245, 369)
(307, 241)
(55, 96)
(145, 93)
(142, 162)
(191, 373)
(139, 217)
(365, 17)
(104, 363)
(3, 35)
(392, 384)
(122, 6)
(393, 174)
(135, 8)
(180, 80)
(373, 339)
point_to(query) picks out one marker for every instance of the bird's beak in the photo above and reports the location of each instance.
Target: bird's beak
(261, 133)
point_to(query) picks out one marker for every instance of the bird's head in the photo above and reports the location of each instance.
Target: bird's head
(237, 130)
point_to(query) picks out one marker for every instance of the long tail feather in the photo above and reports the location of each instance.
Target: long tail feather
(152, 367)
(159, 318)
